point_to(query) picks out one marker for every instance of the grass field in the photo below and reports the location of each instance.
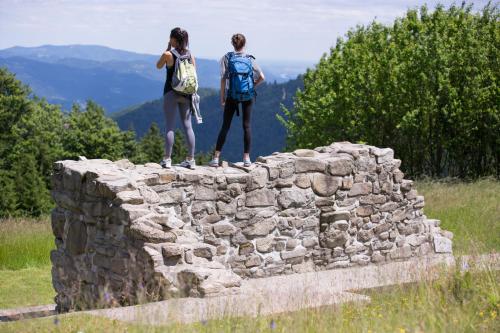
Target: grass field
(470, 210)
(455, 303)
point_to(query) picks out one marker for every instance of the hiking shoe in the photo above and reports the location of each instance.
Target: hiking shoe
(214, 162)
(190, 164)
(247, 163)
(166, 163)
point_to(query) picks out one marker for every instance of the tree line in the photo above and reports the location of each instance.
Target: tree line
(427, 86)
(34, 134)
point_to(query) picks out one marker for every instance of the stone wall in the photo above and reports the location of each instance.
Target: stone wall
(130, 233)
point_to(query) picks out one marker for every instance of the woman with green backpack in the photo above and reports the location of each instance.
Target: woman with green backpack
(240, 74)
(180, 85)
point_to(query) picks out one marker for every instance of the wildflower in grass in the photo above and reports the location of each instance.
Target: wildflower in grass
(56, 321)
(402, 330)
(493, 314)
(204, 322)
(481, 314)
(272, 324)
(465, 266)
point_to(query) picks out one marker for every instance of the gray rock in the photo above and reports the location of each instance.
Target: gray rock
(442, 244)
(333, 238)
(204, 251)
(224, 228)
(264, 245)
(305, 153)
(148, 234)
(172, 250)
(302, 181)
(299, 252)
(246, 248)
(305, 164)
(76, 238)
(260, 198)
(341, 225)
(383, 155)
(360, 189)
(291, 198)
(204, 193)
(340, 166)
(226, 208)
(324, 185)
(150, 196)
(253, 261)
(401, 252)
(260, 228)
(292, 244)
(130, 197)
(365, 211)
(258, 179)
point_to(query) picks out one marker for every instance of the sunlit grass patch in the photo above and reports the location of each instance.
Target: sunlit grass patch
(471, 210)
(25, 242)
(26, 287)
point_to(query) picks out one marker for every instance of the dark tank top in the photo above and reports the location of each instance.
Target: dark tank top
(170, 73)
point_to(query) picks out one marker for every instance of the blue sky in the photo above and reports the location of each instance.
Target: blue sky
(277, 29)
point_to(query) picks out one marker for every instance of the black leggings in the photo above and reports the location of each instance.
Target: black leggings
(230, 107)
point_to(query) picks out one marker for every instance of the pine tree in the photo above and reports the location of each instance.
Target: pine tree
(8, 198)
(32, 194)
(151, 147)
(91, 134)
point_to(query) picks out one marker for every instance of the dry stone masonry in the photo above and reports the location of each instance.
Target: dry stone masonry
(130, 233)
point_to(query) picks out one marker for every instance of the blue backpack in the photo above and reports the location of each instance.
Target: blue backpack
(241, 87)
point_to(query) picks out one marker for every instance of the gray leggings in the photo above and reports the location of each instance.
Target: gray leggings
(172, 101)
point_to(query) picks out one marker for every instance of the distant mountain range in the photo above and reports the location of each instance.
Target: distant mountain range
(113, 78)
(268, 135)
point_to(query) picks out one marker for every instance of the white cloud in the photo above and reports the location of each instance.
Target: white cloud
(294, 29)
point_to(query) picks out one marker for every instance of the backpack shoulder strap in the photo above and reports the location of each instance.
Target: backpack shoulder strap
(175, 53)
(250, 56)
(229, 55)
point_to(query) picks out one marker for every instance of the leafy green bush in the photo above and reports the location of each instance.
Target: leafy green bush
(425, 86)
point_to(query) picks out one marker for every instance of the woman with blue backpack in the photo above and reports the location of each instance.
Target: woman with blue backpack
(180, 86)
(240, 74)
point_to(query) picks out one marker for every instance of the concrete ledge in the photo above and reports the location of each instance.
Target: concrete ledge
(27, 312)
(283, 293)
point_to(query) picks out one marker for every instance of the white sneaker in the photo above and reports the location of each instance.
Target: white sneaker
(190, 164)
(214, 162)
(247, 163)
(166, 163)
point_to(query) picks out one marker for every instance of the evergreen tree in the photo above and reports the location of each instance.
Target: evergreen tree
(151, 146)
(8, 197)
(91, 134)
(33, 197)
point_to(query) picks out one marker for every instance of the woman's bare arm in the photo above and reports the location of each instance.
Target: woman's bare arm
(165, 59)
(261, 79)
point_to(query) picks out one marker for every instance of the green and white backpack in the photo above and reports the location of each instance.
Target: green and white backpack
(184, 80)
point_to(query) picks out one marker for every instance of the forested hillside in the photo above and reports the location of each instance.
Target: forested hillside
(268, 134)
